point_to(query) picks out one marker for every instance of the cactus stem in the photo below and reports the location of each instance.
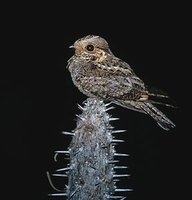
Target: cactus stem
(91, 172)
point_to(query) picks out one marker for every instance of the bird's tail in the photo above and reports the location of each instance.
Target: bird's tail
(161, 119)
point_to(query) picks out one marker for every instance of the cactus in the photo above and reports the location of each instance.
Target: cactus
(91, 171)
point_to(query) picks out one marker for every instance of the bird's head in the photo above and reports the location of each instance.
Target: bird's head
(92, 48)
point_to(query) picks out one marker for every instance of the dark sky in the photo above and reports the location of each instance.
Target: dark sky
(39, 99)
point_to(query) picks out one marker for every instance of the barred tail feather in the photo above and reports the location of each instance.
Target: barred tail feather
(157, 115)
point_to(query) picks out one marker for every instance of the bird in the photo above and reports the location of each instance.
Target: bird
(98, 73)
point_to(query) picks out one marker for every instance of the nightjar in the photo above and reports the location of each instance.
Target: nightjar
(98, 73)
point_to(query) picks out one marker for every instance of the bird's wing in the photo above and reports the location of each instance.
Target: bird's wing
(116, 66)
(110, 86)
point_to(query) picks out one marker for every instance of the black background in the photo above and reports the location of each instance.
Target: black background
(39, 99)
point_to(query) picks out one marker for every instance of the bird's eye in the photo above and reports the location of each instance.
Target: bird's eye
(90, 47)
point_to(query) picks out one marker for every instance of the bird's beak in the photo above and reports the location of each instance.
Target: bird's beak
(72, 46)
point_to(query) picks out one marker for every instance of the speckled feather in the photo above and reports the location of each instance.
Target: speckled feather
(98, 73)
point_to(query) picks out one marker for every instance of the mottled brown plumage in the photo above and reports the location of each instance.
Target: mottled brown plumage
(98, 73)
